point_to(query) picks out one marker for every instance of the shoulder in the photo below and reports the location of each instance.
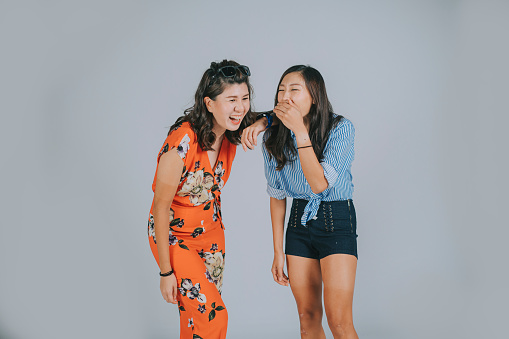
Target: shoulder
(344, 128)
(182, 137)
(182, 129)
(182, 132)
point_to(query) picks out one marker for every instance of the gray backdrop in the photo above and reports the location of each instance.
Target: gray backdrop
(88, 90)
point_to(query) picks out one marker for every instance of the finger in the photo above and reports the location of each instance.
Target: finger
(291, 103)
(243, 139)
(274, 274)
(166, 297)
(280, 274)
(285, 105)
(279, 113)
(281, 280)
(285, 279)
(282, 109)
(248, 143)
(250, 136)
(174, 295)
(277, 109)
(254, 137)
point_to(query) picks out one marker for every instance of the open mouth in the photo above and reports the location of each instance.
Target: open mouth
(236, 120)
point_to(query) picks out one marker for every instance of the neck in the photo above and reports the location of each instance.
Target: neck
(218, 131)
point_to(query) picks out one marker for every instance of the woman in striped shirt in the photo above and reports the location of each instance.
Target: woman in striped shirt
(308, 154)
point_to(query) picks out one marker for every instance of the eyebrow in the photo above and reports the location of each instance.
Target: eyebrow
(295, 84)
(236, 96)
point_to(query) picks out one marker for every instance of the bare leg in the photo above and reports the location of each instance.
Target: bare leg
(306, 283)
(338, 273)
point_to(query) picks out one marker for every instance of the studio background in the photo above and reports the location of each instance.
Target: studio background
(89, 89)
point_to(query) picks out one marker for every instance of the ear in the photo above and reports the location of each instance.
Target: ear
(209, 103)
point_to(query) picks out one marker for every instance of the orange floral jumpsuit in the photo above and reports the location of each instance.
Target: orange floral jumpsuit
(196, 241)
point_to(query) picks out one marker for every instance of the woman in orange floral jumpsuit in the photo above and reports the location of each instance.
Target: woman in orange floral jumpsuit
(185, 227)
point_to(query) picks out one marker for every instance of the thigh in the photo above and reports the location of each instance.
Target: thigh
(305, 282)
(198, 262)
(338, 274)
(198, 255)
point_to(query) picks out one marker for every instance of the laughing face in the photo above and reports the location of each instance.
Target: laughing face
(293, 87)
(229, 107)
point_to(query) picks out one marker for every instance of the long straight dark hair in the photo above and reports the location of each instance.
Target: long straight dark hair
(212, 84)
(320, 120)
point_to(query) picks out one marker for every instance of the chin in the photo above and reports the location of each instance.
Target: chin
(232, 128)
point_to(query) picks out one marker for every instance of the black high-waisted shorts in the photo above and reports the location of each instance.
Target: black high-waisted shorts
(333, 231)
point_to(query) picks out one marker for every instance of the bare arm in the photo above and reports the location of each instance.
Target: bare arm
(292, 118)
(313, 170)
(277, 214)
(250, 133)
(169, 171)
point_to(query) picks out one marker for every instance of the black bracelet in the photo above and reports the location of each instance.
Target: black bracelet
(166, 274)
(304, 146)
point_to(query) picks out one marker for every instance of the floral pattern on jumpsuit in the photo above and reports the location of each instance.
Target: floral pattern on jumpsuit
(196, 234)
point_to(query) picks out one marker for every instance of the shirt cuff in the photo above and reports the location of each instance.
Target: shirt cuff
(275, 193)
(330, 174)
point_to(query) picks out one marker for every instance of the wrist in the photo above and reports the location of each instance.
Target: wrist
(166, 273)
(278, 252)
(302, 137)
(265, 118)
(265, 122)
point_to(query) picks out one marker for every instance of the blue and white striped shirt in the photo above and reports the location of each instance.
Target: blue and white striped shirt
(336, 163)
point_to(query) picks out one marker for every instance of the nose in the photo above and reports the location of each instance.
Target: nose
(286, 95)
(239, 107)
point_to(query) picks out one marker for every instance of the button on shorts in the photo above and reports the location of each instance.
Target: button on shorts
(333, 231)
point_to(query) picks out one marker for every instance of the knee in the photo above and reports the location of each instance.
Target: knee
(340, 325)
(222, 313)
(226, 317)
(218, 319)
(310, 317)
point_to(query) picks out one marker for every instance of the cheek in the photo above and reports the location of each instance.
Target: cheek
(305, 100)
(222, 111)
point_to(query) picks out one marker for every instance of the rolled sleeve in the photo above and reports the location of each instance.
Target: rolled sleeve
(331, 175)
(275, 192)
(274, 188)
(339, 152)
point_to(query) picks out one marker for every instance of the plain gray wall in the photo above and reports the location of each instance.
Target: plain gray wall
(88, 90)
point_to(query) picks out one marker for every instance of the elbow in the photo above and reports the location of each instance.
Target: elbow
(161, 205)
(317, 189)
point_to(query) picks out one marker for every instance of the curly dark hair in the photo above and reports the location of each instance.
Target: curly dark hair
(321, 120)
(212, 84)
